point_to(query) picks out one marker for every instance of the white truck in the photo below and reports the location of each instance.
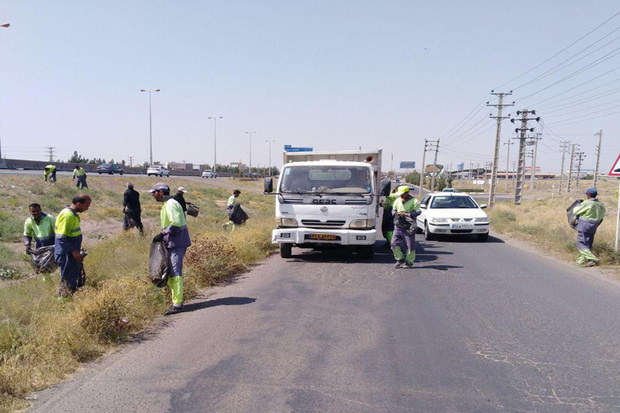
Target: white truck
(327, 199)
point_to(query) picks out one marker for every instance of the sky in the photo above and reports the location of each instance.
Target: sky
(332, 75)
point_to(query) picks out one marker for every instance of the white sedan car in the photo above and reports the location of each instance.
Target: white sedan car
(157, 170)
(452, 213)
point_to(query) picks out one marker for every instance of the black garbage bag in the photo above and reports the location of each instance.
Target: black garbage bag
(42, 260)
(237, 215)
(192, 209)
(572, 218)
(159, 264)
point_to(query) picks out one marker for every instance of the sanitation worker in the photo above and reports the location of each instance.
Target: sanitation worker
(175, 235)
(49, 172)
(39, 226)
(387, 222)
(406, 208)
(590, 214)
(230, 206)
(68, 250)
(180, 198)
(131, 209)
(80, 174)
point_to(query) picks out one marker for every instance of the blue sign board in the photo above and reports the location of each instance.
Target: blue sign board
(407, 165)
(289, 148)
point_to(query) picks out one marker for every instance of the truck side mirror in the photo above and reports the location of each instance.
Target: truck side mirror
(386, 187)
(268, 185)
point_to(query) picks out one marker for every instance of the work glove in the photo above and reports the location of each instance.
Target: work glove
(158, 237)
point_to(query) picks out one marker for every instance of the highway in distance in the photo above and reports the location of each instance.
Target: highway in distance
(474, 327)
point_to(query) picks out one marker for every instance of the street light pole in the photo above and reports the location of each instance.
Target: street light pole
(269, 141)
(150, 123)
(5, 25)
(215, 118)
(250, 166)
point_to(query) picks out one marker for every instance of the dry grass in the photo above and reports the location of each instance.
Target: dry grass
(42, 341)
(541, 220)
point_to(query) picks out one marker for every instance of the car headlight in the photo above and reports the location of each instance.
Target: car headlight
(485, 220)
(286, 222)
(362, 224)
(438, 220)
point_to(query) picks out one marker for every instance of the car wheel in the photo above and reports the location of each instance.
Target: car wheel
(427, 233)
(286, 250)
(99, 173)
(161, 175)
(483, 237)
(121, 173)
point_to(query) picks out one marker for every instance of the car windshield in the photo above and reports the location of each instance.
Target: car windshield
(447, 202)
(332, 179)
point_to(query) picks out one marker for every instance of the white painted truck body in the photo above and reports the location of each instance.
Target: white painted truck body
(328, 198)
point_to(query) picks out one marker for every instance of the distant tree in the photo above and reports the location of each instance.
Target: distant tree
(144, 165)
(123, 163)
(413, 178)
(77, 158)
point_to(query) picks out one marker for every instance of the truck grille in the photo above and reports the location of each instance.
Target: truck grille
(317, 223)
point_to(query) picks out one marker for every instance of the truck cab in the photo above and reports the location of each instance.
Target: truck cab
(325, 200)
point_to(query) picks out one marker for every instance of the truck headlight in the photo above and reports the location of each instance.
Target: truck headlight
(362, 224)
(286, 222)
(439, 220)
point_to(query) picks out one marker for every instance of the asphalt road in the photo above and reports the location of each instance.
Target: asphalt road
(474, 327)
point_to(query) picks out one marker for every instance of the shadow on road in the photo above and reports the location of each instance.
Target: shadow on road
(219, 301)
(468, 239)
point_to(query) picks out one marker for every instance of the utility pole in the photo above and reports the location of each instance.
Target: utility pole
(131, 161)
(508, 144)
(570, 166)
(533, 174)
(598, 156)
(580, 156)
(500, 105)
(435, 165)
(563, 148)
(423, 166)
(521, 168)
(50, 152)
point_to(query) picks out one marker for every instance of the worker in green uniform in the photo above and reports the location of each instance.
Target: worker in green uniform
(230, 205)
(49, 173)
(406, 208)
(40, 227)
(176, 239)
(387, 222)
(80, 174)
(68, 250)
(590, 214)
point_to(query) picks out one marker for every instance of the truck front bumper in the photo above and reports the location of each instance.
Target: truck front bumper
(324, 236)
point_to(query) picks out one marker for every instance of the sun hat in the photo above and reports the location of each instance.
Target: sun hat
(182, 189)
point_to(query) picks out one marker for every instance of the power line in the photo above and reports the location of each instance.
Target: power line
(560, 52)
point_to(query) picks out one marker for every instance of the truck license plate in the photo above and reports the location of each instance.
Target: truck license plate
(461, 226)
(322, 237)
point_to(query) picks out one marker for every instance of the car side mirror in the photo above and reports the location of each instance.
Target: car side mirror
(386, 187)
(423, 206)
(483, 206)
(268, 185)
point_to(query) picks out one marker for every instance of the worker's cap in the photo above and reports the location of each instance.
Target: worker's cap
(592, 192)
(403, 189)
(160, 186)
(182, 189)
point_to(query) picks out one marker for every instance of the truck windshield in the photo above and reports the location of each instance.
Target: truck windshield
(322, 178)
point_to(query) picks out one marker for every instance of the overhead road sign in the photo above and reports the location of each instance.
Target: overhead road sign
(615, 169)
(407, 164)
(289, 148)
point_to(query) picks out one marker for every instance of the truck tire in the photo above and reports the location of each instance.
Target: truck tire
(286, 250)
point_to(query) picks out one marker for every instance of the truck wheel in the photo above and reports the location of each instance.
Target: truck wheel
(367, 252)
(427, 233)
(286, 250)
